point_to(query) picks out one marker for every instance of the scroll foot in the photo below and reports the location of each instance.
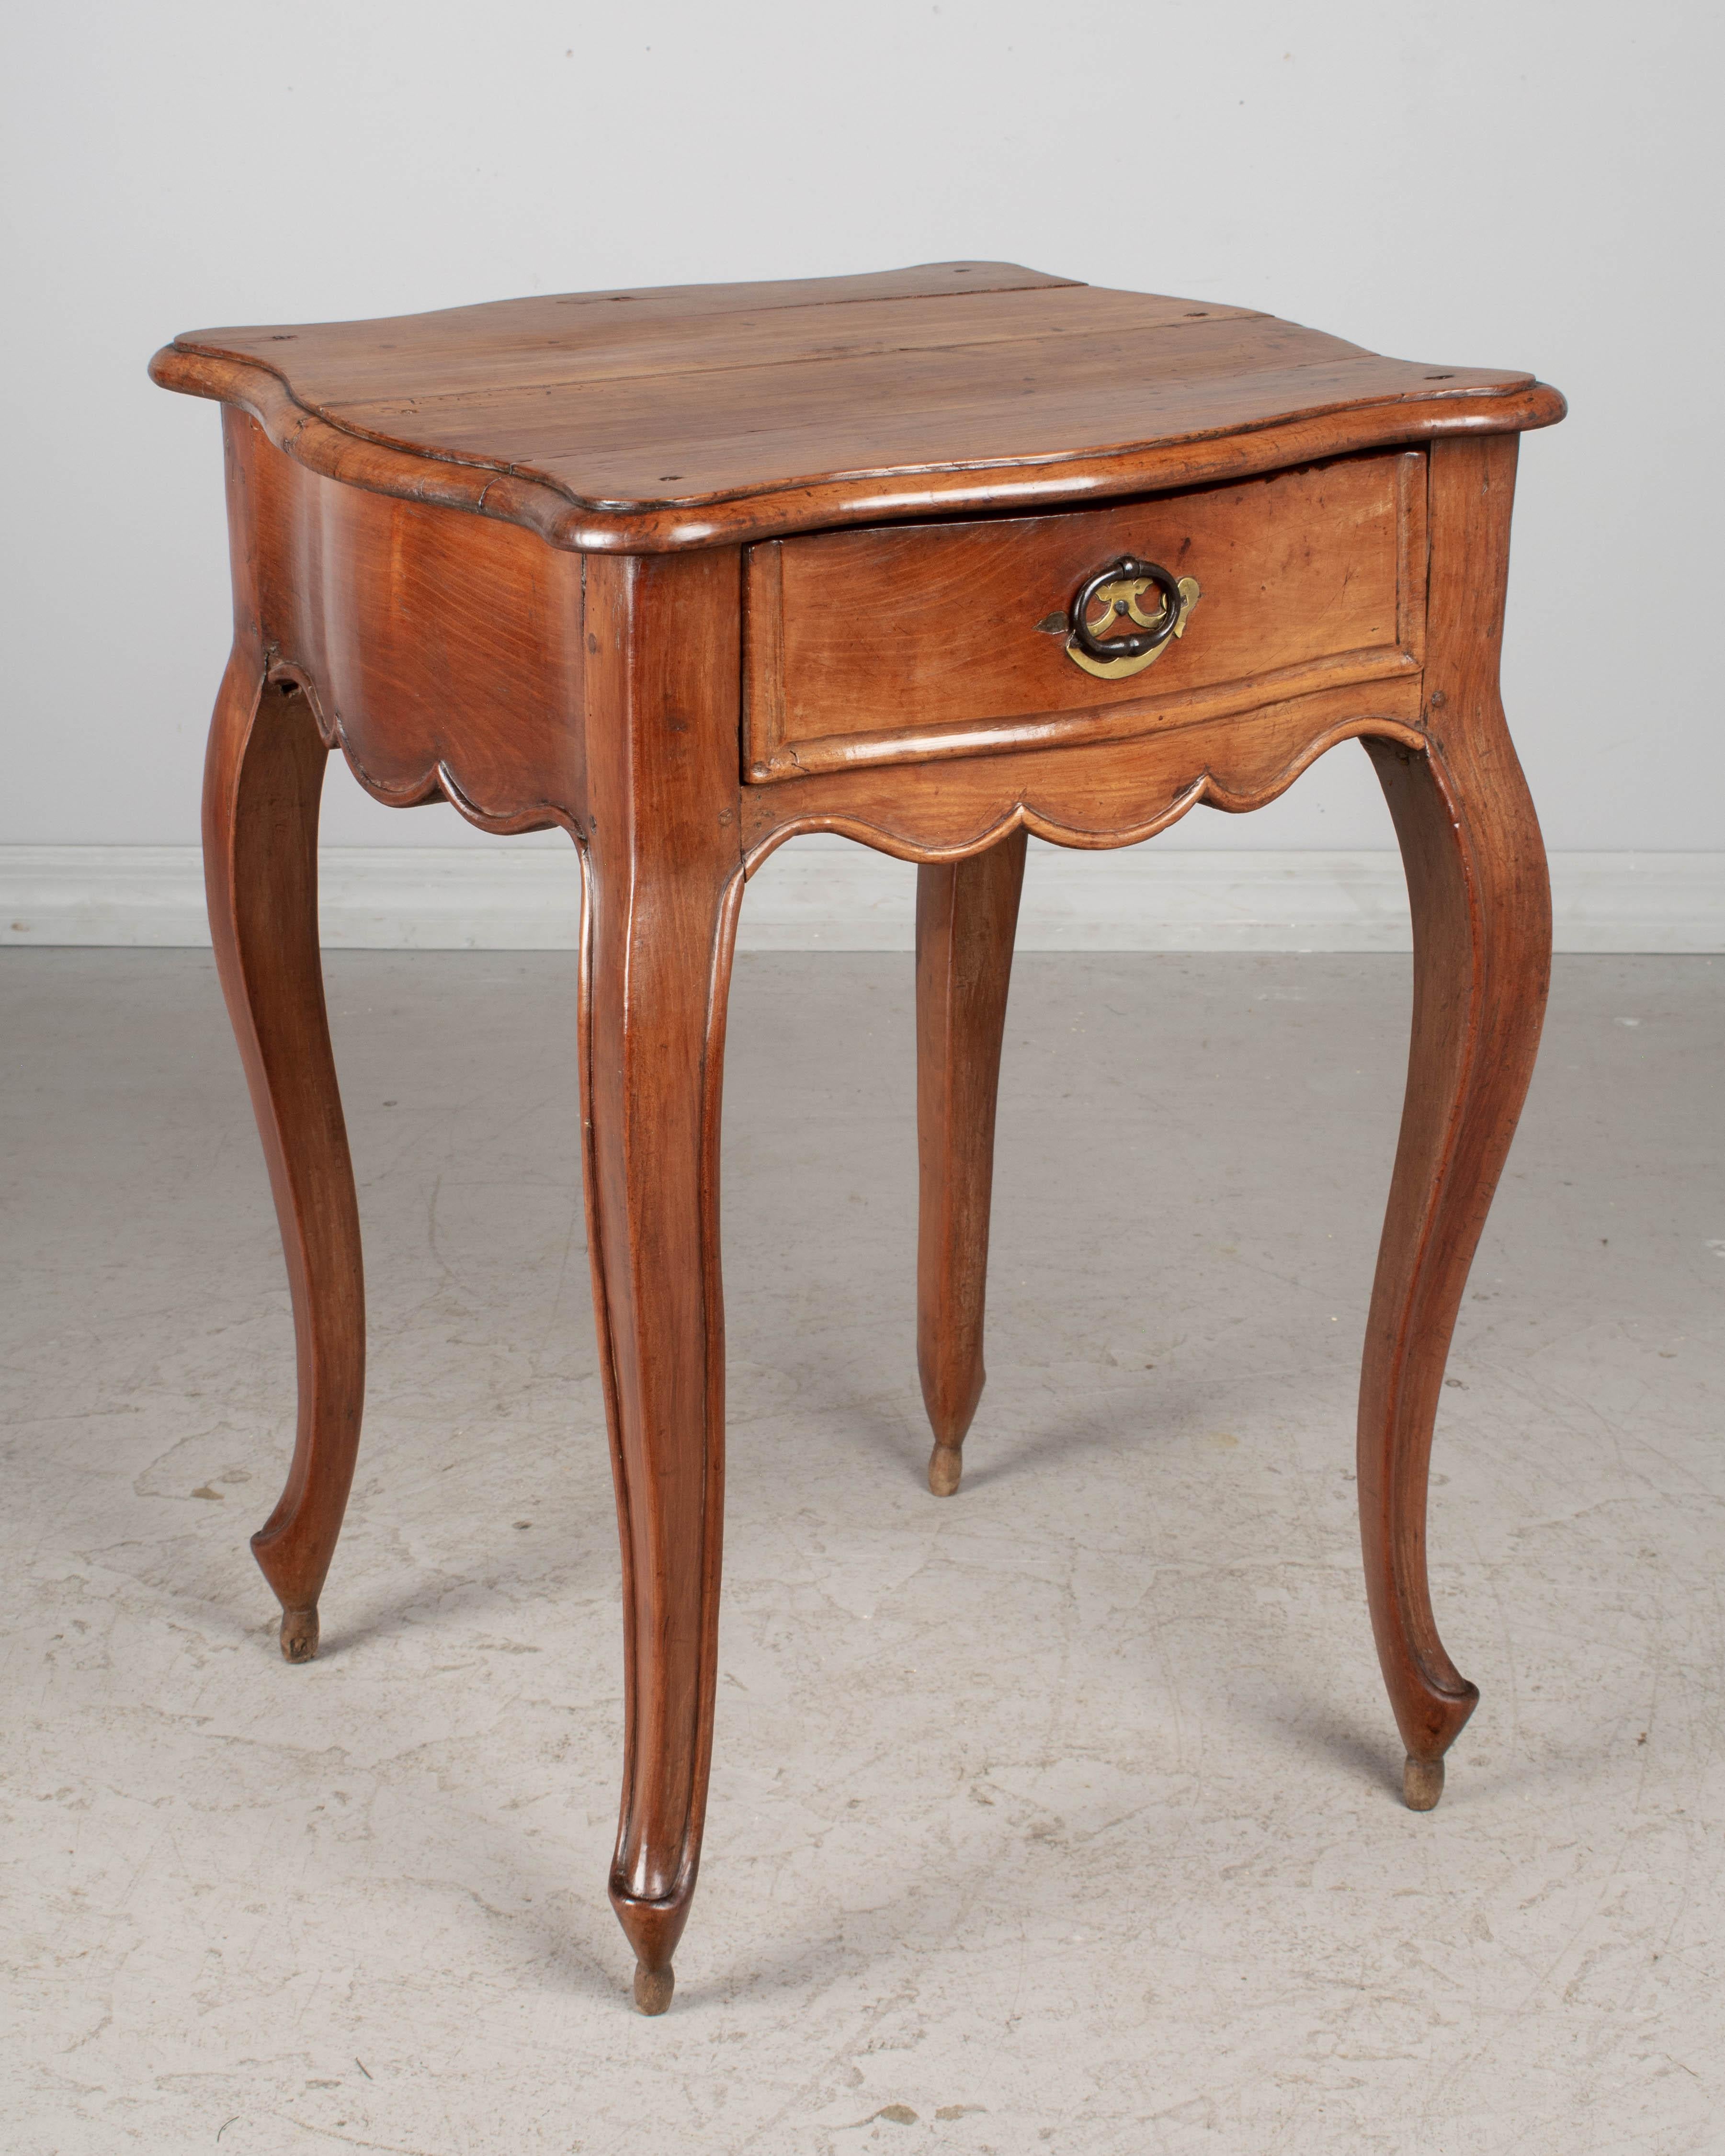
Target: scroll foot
(1422, 1784)
(298, 1635)
(946, 1463)
(654, 1988)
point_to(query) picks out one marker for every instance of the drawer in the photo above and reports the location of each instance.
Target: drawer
(916, 641)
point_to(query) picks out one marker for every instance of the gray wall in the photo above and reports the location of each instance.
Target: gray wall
(1493, 181)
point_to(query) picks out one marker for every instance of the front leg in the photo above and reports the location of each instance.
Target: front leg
(263, 779)
(663, 876)
(1482, 910)
(967, 914)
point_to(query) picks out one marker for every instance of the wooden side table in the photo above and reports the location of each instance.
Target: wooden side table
(932, 558)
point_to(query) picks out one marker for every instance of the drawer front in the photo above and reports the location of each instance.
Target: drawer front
(918, 641)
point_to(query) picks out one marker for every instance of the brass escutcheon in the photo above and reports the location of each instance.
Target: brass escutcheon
(1118, 588)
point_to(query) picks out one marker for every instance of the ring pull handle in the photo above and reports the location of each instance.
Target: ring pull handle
(1118, 588)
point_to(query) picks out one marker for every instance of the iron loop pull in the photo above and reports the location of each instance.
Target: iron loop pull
(1118, 588)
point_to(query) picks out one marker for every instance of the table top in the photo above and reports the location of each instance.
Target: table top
(698, 414)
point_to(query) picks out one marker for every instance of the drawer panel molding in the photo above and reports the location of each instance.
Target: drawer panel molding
(900, 645)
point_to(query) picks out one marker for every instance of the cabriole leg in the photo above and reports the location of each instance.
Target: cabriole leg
(263, 779)
(1481, 912)
(967, 914)
(663, 879)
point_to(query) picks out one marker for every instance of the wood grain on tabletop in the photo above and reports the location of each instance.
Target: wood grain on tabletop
(645, 420)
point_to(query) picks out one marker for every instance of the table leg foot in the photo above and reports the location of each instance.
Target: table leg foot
(946, 1465)
(654, 1988)
(1422, 1784)
(298, 1635)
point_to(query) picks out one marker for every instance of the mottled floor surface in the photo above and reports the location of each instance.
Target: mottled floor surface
(1063, 1815)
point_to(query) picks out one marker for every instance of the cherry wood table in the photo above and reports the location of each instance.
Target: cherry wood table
(932, 558)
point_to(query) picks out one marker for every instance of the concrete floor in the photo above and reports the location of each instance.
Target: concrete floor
(1061, 1816)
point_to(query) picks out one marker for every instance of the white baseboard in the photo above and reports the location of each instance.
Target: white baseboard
(823, 894)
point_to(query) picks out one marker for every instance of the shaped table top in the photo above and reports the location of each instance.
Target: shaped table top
(699, 414)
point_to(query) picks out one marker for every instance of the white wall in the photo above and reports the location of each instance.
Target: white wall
(1490, 181)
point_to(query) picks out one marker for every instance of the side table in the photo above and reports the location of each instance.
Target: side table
(932, 558)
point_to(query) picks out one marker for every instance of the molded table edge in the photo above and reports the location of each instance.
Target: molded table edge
(515, 496)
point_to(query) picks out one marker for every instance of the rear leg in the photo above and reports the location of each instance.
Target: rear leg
(966, 916)
(263, 779)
